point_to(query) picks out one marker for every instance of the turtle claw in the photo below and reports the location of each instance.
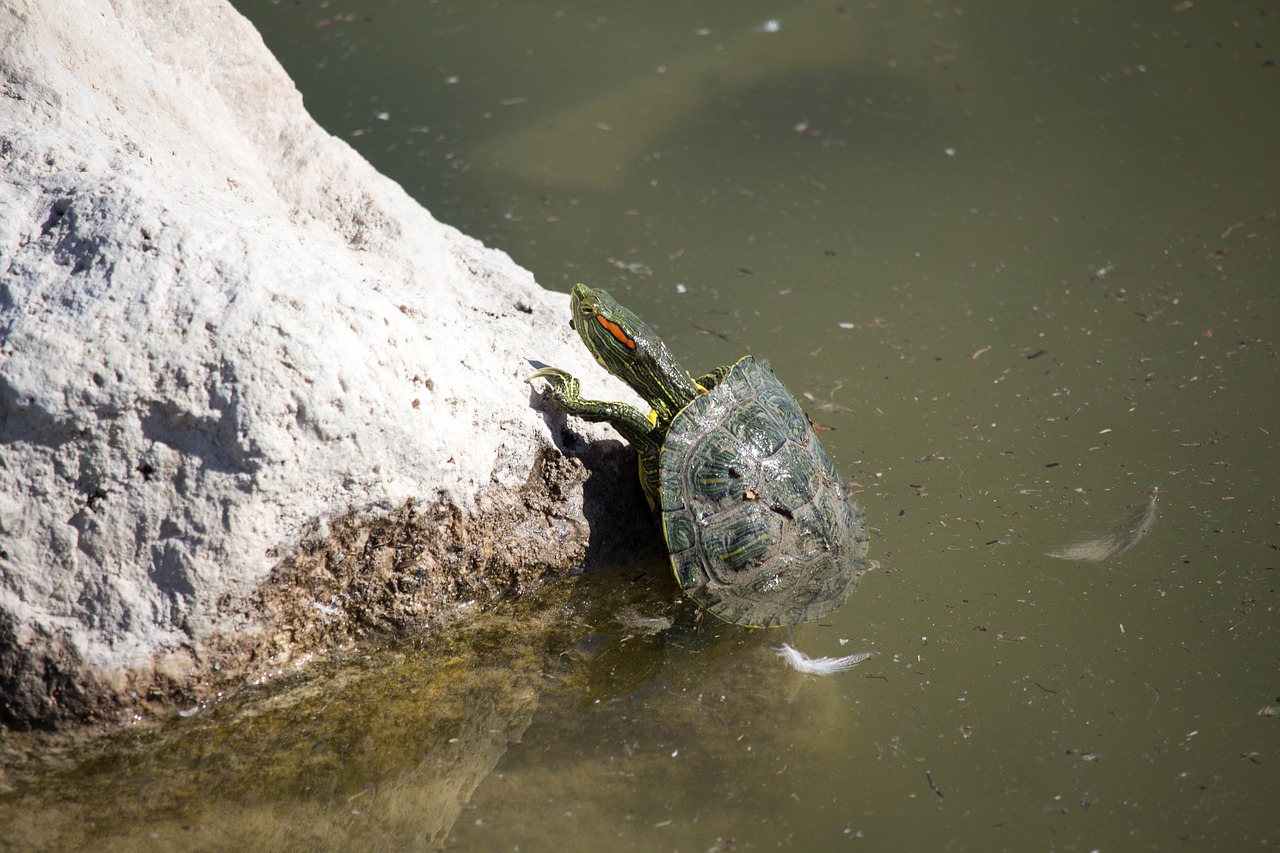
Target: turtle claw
(555, 374)
(563, 385)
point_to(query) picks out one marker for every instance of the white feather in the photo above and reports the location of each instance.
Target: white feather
(801, 662)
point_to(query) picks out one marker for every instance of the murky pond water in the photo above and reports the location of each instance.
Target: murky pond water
(1020, 259)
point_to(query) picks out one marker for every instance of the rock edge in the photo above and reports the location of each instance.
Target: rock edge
(255, 401)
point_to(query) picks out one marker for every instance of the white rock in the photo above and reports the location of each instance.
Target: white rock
(220, 329)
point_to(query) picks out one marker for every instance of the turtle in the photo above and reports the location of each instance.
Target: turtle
(759, 527)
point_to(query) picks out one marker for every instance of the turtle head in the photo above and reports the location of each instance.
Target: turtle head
(626, 347)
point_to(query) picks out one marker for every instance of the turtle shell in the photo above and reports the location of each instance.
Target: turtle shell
(760, 529)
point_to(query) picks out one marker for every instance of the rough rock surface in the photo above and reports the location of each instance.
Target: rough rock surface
(254, 400)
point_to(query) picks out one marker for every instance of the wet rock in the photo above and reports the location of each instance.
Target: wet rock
(254, 400)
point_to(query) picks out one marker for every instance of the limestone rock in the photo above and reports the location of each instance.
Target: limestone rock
(237, 365)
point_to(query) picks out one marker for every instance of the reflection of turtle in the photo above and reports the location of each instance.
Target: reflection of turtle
(760, 529)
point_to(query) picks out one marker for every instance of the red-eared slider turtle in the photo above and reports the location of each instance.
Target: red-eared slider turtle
(760, 529)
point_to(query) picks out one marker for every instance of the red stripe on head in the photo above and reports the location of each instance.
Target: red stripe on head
(616, 330)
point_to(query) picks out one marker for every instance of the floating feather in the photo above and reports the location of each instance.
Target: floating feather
(1121, 538)
(801, 662)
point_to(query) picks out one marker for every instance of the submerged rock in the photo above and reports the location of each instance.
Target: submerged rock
(254, 399)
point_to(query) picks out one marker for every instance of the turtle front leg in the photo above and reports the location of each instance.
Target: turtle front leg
(634, 425)
(630, 422)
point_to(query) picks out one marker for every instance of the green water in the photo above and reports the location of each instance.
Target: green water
(1022, 260)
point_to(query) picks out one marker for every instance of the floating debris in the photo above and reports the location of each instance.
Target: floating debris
(633, 267)
(801, 662)
(632, 619)
(1121, 538)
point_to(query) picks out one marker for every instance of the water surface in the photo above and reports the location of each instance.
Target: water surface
(1020, 259)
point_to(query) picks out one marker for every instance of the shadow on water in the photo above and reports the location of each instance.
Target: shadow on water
(376, 748)
(367, 750)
